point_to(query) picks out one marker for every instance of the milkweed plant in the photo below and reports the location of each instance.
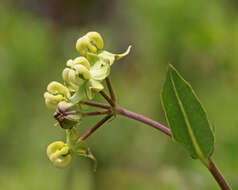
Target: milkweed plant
(83, 78)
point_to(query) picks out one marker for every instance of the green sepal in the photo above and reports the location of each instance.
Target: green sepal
(110, 58)
(78, 95)
(119, 56)
(92, 88)
(186, 117)
(70, 121)
(79, 148)
(71, 137)
(100, 70)
(93, 57)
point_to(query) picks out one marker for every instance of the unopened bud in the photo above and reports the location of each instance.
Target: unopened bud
(67, 114)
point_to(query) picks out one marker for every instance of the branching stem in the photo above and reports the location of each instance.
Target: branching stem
(99, 124)
(212, 167)
(132, 115)
(143, 119)
(111, 91)
(100, 112)
(95, 104)
(109, 100)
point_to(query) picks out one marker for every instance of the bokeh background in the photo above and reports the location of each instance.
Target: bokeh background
(37, 37)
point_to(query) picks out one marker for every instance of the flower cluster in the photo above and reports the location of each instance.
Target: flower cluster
(83, 77)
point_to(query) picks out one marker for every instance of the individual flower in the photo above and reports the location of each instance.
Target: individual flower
(56, 93)
(92, 42)
(59, 154)
(76, 73)
(79, 74)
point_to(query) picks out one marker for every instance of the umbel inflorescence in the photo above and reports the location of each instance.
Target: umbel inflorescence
(83, 77)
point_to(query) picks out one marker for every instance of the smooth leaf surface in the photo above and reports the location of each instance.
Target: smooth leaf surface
(186, 117)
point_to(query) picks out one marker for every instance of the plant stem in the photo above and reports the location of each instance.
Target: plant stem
(95, 104)
(100, 112)
(94, 128)
(212, 167)
(145, 120)
(218, 176)
(109, 86)
(122, 111)
(109, 100)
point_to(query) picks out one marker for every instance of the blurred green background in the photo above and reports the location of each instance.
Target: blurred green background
(37, 37)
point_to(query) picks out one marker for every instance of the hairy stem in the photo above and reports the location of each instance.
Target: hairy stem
(95, 104)
(109, 100)
(111, 91)
(94, 128)
(212, 167)
(100, 112)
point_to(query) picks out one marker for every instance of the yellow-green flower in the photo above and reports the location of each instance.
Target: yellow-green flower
(59, 155)
(92, 42)
(56, 93)
(84, 74)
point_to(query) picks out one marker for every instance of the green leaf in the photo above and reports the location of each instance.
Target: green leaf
(186, 117)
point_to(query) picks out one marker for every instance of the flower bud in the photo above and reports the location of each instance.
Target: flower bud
(67, 114)
(59, 155)
(56, 93)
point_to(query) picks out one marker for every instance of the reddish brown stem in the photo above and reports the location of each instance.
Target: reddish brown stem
(212, 167)
(109, 86)
(109, 100)
(100, 112)
(94, 128)
(218, 176)
(95, 104)
(145, 120)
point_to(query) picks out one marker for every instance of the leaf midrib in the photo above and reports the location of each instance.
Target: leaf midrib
(201, 156)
